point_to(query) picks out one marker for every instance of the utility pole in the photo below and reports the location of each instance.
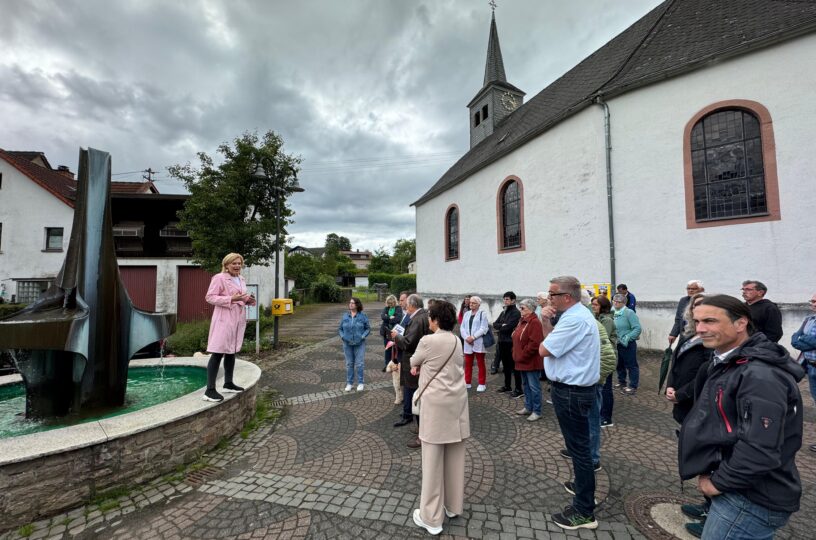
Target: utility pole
(149, 172)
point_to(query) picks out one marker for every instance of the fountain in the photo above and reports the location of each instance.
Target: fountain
(73, 348)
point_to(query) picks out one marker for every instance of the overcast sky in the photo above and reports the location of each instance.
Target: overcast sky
(370, 93)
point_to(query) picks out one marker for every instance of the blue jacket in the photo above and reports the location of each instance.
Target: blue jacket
(806, 342)
(628, 326)
(354, 330)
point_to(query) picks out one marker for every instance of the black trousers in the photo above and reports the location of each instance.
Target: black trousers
(504, 352)
(215, 363)
(407, 402)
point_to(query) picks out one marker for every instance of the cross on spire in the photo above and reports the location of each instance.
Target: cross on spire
(492, 4)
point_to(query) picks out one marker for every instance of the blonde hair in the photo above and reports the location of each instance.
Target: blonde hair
(391, 300)
(229, 259)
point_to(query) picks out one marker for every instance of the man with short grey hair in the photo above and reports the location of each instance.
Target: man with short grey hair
(572, 360)
(692, 287)
(764, 314)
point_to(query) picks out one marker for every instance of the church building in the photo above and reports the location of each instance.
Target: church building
(682, 149)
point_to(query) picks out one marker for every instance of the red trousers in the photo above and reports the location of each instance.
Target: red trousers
(480, 360)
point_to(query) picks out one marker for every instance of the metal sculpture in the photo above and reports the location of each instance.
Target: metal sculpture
(73, 345)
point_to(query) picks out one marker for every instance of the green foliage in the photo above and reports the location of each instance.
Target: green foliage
(336, 243)
(265, 412)
(325, 289)
(404, 252)
(380, 262)
(380, 277)
(403, 282)
(189, 338)
(295, 296)
(230, 210)
(304, 268)
(26, 530)
(8, 309)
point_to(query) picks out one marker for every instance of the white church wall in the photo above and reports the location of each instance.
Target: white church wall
(565, 224)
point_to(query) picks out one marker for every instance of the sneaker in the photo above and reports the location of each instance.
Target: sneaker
(812, 447)
(629, 391)
(515, 394)
(549, 401)
(431, 530)
(502, 389)
(481, 388)
(606, 423)
(695, 511)
(232, 388)
(360, 387)
(348, 388)
(533, 417)
(522, 412)
(695, 529)
(212, 395)
(620, 384)
(468, 386)
(597, 466)
(570, 487)
(450, 514)
(571, 520)
(565, 453)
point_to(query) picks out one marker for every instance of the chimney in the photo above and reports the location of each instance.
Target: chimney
(65, 171)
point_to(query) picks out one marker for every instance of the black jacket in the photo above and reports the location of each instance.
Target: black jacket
(686, 362)
(407, 344)
(746, 426)
(388, 323)
(679, 322)
(507, 322)
(767, 319)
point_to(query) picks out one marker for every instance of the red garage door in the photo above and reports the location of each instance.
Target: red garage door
(193, 283)
(140, 283)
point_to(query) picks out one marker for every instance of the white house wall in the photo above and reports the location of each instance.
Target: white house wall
(563, 176)
(26, 209)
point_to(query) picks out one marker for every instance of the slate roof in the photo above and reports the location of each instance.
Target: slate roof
(62, 186)
(676, 37)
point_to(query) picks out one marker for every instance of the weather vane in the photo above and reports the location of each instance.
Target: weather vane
(492, 4)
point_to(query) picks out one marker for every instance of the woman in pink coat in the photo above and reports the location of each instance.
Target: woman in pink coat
(228, 293)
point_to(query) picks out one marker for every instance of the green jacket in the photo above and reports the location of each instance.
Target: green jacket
(608, 322)
(609, 357)
(627, 324)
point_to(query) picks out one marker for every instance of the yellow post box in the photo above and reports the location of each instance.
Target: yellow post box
(282, 306)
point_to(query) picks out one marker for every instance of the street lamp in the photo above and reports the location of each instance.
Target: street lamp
(260, 174)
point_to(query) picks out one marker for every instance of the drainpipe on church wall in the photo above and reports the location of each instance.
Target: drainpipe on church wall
(608, 139)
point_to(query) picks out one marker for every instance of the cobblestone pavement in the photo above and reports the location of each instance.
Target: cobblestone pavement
(335, 467)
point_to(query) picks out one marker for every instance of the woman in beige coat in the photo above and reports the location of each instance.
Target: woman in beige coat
(444, 419)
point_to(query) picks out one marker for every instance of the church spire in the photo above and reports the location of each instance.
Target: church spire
(494, 65)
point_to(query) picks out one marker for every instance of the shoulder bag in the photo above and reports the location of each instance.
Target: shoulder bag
(488, 340)
(415, 402)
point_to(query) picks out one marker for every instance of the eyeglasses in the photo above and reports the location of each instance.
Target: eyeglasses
(812, 301)
(556, 293)
(748, 289)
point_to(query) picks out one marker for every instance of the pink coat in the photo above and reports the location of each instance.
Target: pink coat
(229, 318)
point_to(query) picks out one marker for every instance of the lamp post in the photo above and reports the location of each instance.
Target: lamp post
(280, 192)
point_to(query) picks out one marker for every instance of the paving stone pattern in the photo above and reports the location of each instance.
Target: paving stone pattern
(335, 467)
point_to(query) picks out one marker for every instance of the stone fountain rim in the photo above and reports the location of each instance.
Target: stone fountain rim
(56, 441)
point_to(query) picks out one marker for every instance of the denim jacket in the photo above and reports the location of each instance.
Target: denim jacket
(354, 330)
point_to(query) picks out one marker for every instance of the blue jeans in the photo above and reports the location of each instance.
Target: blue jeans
(572, 406)
(532, 391)
(608, 400)
(595, 426)
(733, 517)
(355, 355)
(407, 402)
(811, 372)
(627, 361)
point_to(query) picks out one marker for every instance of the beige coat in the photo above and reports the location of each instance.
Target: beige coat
(444, 416)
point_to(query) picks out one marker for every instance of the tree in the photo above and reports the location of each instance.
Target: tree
(404, 252)
(380, 261)
(335, 243)
(303, 268)
(229, 209)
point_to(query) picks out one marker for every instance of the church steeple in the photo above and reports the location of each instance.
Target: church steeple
(497, 99)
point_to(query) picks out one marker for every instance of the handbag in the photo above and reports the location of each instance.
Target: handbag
(415, 401)
(488, 340)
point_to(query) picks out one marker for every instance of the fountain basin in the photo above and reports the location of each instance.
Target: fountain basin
(45, 473)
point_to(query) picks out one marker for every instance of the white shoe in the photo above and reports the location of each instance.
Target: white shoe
(533, 417)
(450, 514)
(348, 388)
(360, 387)
(431, 530)
(468, 386)
(481, 388)
(523, 412)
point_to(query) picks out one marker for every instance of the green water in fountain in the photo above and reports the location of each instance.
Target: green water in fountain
(147, 386)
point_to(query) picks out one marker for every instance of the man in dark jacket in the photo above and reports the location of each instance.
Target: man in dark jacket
(504, 325)
(741, 437)
(765, 314)
(406, 343)
(692, 287)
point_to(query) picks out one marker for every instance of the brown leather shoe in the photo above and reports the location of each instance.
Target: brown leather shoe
(414, 443)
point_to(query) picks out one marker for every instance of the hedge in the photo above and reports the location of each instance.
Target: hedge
(8, 309)
(379, 277)
(403, 282)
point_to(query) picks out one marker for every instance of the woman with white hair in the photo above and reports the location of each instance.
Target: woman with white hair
(474, 326)
(627, 325)
(526, 338)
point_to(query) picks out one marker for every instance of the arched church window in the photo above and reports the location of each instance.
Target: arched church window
(452, 233)
(730, 165)
(511, 215)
